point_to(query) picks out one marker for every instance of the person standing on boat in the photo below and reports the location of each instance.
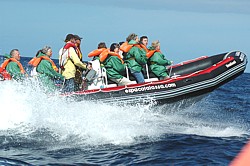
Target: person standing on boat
(79, 71)
(134, 57)
(68, 60)
(13, 66)
(45, 69)
(95, 53)
(157, 61)
(78, 40)
(114, 65)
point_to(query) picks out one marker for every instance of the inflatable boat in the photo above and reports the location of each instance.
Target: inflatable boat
(187, 80)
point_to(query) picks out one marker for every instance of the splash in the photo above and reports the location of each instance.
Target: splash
(30, 113)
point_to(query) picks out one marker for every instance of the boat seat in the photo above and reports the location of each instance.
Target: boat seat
(111, 85)
(90, 87)
(147, 73)
(100, 75)
(151, 79)
(133, 82)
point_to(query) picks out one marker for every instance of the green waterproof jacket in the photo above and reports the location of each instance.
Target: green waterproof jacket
(13, 69)
(45, 68)
(114, 67)
(47, 75)
(158, 64)
(135, 58)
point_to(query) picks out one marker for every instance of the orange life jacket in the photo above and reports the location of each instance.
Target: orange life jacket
(4, 74)
(151, 53)
(64, 54)
(36, 60)
(144, 47)
(7, 61)
(105, 53)
(125, 47)
(68, 45)
(79, 53)
(96, 52)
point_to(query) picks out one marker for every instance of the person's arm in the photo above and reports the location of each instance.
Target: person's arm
(117, 65)
(74, 57)
(50, 71)
(140, 55)
(160, 59)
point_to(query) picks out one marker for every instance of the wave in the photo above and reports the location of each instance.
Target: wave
(12, 162)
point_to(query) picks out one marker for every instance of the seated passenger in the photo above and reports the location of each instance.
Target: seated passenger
(135, 57)
(120, 51)
(114, 65)
(144, 42)
(13, 66)
(157, 61)
(89, 76)
(47, 72)
(95, 53)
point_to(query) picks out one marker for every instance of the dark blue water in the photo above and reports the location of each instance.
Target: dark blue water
(37, 129)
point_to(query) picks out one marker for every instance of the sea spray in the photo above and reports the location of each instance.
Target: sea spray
(54, 120)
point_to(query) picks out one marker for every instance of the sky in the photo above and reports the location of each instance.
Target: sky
(185, 29)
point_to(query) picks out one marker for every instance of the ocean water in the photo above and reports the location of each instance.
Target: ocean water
(41, 129)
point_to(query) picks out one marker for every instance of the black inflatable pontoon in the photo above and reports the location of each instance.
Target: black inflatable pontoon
(187, 80)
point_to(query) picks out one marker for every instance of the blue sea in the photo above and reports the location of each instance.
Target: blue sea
(47, 129)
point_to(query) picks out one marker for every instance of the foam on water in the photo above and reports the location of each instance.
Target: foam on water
(26, 109)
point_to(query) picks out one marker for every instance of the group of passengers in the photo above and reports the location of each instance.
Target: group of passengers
(132, 53)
